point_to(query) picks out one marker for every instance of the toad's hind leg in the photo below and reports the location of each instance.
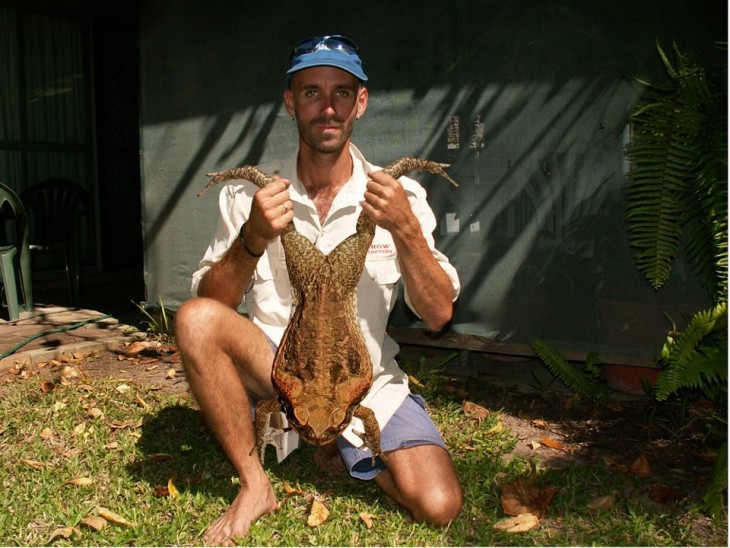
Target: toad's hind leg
(371, 436)
(265, 434)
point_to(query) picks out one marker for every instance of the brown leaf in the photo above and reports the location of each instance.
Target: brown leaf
(367, 519)
(46, 433)
(80, 481)
(663, 494)
(47, 387)
(600, 503)
(136, 347)
(113, 517)
(552, 443)
(318, 514)
(97, 523)
(64, 532)
(641, 467)
(69, 374)
(475, 411)
(519, 524)
(33, 464)
(519, 497)
(171, 373)
(161, 491)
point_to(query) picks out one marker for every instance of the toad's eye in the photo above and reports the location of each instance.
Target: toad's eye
(337, 417)
(302, 415)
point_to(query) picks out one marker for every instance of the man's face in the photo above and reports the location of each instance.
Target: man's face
(325, 102)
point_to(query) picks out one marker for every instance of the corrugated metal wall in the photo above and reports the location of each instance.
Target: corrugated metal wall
(528, 100)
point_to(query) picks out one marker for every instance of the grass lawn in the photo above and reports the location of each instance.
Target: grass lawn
(143, 460)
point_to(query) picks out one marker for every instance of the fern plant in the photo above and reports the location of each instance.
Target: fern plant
(587, 383)
(678, 175)
(678, 189)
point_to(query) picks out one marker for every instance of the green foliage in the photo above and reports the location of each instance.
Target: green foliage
(714, 502)
(678, 174)
(585, 383)
(678, 188)
(696, 358)
(157, 321)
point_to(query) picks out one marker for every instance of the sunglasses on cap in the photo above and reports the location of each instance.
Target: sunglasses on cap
(335, 42)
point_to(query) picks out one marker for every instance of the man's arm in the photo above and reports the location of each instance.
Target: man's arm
(227, 279)
(429, 288)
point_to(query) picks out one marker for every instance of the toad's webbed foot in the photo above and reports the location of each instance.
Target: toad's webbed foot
(265, 433)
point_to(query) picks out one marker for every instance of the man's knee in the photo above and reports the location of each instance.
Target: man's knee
(440, 506)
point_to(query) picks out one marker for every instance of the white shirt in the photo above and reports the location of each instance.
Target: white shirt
(269, 298)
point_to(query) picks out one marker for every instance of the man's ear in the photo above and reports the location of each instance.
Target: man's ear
(289, 102)
(362, 101)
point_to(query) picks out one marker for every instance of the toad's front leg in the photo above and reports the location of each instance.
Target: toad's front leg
(265, 434)
(371, 436)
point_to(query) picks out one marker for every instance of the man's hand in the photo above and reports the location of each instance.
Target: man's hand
(386, 203)
(428, 286)
(271, 211)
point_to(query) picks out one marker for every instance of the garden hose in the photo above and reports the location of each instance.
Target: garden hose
(50, 332)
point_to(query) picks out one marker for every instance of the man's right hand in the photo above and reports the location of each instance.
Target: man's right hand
(271, 212)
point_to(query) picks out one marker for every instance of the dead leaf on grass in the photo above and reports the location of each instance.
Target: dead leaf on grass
(475, 411)
(161, 491)
(69, 374)
(113, 517)
(641, 467)
(518, 524)
(96, 413)
(367, 519)
(600, 503)
(80, 481)
(171, 373)
(318, 514)
(37, 465)
(97, 523)
(520, 497)
(47, 387)
(46, 433)
(664, 494)
(65, 532)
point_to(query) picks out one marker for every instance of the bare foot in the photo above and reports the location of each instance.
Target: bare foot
(251, 503)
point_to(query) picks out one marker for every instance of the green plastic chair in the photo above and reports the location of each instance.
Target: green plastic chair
(15, 254)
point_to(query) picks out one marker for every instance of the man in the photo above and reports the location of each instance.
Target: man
(228, 357)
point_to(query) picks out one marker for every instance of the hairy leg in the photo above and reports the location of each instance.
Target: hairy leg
(225, 355)
(422, 479)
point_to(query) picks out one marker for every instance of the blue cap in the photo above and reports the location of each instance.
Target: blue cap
(327, 52)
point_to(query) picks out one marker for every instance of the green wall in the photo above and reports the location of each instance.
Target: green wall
(536, 229)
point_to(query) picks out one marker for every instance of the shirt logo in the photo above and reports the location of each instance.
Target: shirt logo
(381, 250)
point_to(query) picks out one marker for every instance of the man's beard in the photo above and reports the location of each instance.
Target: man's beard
(321, 143)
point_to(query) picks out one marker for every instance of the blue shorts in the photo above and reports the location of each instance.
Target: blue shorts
(410, 426)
